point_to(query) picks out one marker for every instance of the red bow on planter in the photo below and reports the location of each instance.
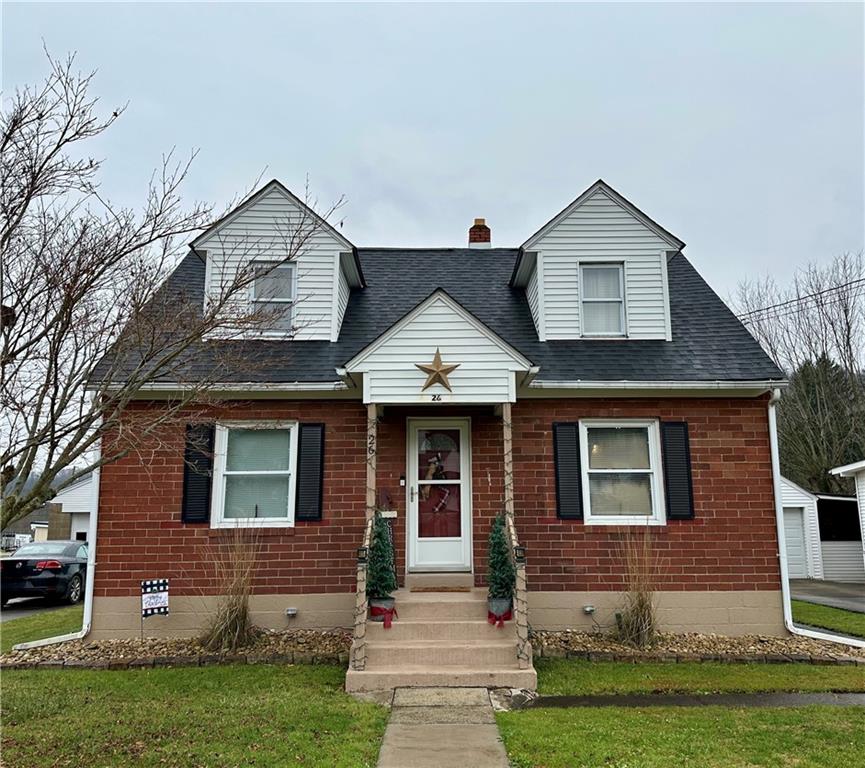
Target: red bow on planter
(388, 614)
(499, 619)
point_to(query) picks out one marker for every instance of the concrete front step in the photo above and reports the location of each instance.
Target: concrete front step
(433, 654)
(433, 580)
(441, 606)
(444, 631)
(444, 676)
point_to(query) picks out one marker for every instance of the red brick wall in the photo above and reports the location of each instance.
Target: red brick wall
(140, 535)
(731, 544)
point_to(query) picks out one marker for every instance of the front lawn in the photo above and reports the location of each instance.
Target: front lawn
(824, 617)
(263, 716)
(573, 677)
(704, 737)
(41, 625)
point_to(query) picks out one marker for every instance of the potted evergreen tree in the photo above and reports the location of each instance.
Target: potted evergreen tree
(380, 576)
(500, 574)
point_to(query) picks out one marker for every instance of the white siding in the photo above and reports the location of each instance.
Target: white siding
(793, 496)
(533, 299)
(261, 232)
(486, 368)
(842, 561)
(77, 497)
(342, 298)
(602, 230)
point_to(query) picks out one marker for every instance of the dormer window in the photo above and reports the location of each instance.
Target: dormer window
(274, 291)
(602, 299)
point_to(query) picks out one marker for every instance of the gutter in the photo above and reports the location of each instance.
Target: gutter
(717, 384)
(782, 542)
(88, 581)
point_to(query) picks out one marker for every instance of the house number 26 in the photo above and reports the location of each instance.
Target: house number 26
(436, 398)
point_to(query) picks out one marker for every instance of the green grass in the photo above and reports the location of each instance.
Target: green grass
(42, 625)
(704, 737)
(262, 716)
(575, 677)
(824, 617)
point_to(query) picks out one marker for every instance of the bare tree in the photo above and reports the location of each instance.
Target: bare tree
(815, 330)
(88, 320)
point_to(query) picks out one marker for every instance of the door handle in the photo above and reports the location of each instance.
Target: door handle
(411, 494)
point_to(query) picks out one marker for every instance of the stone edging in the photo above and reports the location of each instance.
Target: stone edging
(181, 661)
(674, 658)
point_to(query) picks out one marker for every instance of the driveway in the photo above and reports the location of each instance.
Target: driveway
(19, 607)
(835, 594)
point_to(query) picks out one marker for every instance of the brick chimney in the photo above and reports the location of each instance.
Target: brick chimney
(479, 234)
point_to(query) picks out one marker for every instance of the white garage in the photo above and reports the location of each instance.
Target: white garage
(801, 531)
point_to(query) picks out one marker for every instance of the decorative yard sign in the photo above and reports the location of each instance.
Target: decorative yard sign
(154, 597)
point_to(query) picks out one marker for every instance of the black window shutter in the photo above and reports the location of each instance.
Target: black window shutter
(678, 485)
(310, 471)
(569, 482)
(197, 473)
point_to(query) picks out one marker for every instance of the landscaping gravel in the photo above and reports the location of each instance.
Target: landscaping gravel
(297, 645)
(693, 647)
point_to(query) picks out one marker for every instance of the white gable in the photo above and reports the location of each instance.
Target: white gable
(600, 226)
(261, 229)
(487, 364)
(77, 497)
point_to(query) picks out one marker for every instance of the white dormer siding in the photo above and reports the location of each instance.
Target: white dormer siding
(260, 231)
(600, 227)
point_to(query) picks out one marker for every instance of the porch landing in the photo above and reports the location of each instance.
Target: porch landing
(440, 639)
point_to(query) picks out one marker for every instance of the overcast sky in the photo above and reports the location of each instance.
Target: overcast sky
(739, 128)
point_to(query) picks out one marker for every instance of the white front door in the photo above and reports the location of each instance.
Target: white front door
(439, 495)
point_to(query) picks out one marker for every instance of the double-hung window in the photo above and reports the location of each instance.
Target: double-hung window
(621, 466)
(254, 474)
(602, 299)
(274, 290)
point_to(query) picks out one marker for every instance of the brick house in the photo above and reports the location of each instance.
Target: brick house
(586, 382)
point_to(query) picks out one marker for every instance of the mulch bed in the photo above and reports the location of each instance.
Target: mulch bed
(297, 646)
(306, 646)
(689, 647)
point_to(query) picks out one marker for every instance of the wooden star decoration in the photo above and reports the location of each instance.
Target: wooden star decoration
(437, 373)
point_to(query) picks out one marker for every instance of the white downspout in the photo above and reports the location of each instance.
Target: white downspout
(91, 572)
(782, 543)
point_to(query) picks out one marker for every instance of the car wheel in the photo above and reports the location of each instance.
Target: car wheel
(74, 590)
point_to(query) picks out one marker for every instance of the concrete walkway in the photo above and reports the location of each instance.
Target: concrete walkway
(442, 728)
(835, 594)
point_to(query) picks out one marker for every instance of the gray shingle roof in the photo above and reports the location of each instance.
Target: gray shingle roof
(708, 344)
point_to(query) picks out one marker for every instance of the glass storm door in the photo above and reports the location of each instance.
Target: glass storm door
(439, 495)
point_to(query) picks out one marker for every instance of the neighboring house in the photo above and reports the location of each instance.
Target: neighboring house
(77, 501)
(41, 524)
(822, 534)
(591, 371)
(857, 472)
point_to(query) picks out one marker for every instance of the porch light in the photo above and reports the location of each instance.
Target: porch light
(520, 554)
(362, 553)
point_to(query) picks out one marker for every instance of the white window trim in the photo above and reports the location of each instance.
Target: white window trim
(659, 516)
(292, 265)
(220, 447)
(623, 313)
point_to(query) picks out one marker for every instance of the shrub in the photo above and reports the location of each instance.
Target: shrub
(234, 561)
(637, 622)
(500, 573)
(380, 576)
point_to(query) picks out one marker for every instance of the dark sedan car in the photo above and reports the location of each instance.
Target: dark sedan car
(53, 569)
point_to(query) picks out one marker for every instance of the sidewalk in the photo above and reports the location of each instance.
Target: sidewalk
(442, 728)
